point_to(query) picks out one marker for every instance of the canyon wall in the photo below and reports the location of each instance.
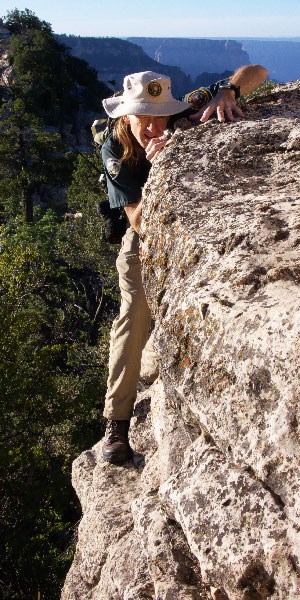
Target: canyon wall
(195, 56)
(114, 58)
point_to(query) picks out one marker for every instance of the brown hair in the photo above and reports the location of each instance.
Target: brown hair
(132, 151)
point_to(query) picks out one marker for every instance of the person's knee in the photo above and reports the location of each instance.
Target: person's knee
(128, 264)
(136, 307)
(130, 280)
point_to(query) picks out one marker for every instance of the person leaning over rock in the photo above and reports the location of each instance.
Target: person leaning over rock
(140, 116)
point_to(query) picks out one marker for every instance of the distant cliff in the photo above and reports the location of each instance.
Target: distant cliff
(195, 56)
(114, 58)
(189, 62)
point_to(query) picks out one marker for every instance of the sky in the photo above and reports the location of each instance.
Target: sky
(166, 18)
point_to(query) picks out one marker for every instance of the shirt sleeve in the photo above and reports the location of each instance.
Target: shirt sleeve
(122, 185)
(199, 97)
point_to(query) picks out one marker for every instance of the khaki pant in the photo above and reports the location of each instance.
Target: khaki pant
(129, 332)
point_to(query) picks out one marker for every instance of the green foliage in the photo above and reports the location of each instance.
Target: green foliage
(58, 295)
(53, 344)
(18, 21)
(41, 76)
(84, 193)
(263, 89)
(31, 158)
(51, 82)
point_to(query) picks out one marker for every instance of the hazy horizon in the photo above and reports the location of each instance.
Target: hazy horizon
(191, 37)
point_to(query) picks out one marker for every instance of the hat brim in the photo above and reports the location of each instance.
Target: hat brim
(117, 107)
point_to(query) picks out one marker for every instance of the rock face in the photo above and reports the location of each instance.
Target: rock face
(210, 508)
(5, 68)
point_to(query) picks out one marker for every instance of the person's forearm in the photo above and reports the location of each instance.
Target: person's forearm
(249, 78)
(133, 212)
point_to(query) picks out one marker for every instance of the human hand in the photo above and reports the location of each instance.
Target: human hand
(156, 145)
(224, 104)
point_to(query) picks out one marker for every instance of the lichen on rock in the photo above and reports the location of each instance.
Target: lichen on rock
(212, 510)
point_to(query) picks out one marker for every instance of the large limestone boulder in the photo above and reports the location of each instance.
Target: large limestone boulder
(6, 72)
(210, 507)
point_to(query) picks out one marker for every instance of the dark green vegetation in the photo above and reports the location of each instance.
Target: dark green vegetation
(57, 298)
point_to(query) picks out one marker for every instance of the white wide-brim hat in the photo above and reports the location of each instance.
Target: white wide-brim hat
(145, 93)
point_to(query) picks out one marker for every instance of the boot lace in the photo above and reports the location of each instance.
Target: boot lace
(114, 432)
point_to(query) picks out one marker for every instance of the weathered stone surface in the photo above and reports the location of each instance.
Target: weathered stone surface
(233, 526)
(224, 286)
(212, 508)
(6, 72)
(105, 532)
(173, 569)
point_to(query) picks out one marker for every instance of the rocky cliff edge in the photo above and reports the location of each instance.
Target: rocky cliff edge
(210, 508)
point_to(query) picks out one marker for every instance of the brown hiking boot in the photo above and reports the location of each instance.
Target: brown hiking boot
(116, 449)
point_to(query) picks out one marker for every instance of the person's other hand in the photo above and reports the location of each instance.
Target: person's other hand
(155, 146)
(224, 104)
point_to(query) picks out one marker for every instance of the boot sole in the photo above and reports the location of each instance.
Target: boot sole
(115, 459)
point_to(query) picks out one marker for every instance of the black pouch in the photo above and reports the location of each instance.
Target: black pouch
(115, 222)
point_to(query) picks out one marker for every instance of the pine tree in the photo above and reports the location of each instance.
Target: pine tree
(31, 158)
